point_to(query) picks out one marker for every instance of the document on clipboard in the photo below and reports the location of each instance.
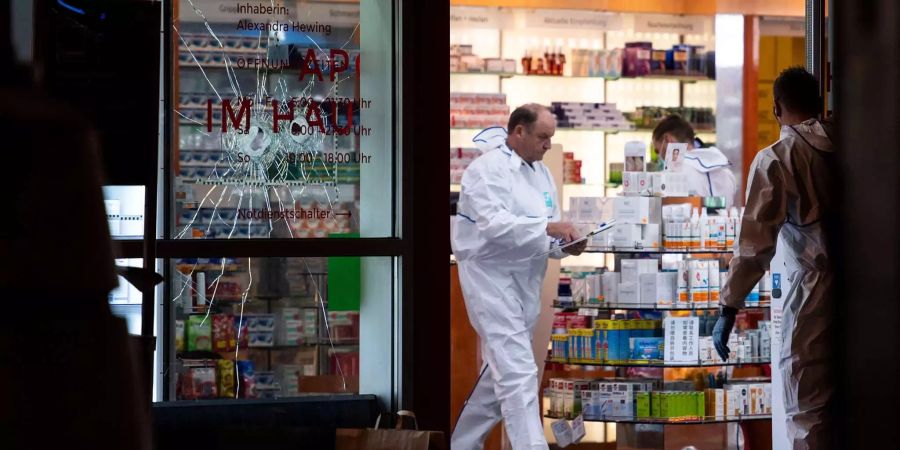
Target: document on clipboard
(601, 228)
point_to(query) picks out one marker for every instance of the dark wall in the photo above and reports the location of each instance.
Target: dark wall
(867, 108)
(104, 61)
(425, 75)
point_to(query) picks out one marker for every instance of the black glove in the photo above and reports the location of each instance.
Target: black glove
(723, 329)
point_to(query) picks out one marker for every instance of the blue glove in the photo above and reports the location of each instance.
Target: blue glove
(722, 330)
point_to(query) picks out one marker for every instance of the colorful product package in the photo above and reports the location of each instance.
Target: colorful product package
(646, 349)
(247, 376)
(242, 334)
(642, 402)
(203, 382)
(179, 335)
(225, 377)
(223, 338)
(199, 334)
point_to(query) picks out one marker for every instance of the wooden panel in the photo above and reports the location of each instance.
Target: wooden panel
(751, 72)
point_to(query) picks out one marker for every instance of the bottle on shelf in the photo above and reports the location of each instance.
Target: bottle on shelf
(561, 62)
(526, 63)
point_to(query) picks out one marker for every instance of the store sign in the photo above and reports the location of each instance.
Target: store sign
(572, 19)
(670, 24)
(263, 10)
(682, 339)
(475, 17)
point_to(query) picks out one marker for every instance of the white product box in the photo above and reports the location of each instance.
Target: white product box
(650, 235)
(629, 294)
(716, 403)
(632, 268)
(610, 286)
(767, 398)
(658, 289)
(509, 66)
(699, 283)
(493, 65)
(625, 235)
(568, 397)
(640, 210)
(630, 184)
(669, 184)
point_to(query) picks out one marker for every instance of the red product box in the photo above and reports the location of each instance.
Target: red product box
(223, 333)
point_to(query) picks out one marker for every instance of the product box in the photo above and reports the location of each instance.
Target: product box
(714, 286)
(493, 65)
(632, 268)
(637, 210)
(609, 282)
(179, 335)
(767, 398)
(261, 339)
(650, 235)
(260, 322)
(223, 338)
(225, 378)
(241, 332)
(656, 405)
(646, 348)
(199, 334)
(683, 279)
(669, 184)
(715, 403)
(568, 398)
(658, 289)
(626, 235)
(288, 377)
(199, 383)
(642, 405)
(699, 283)
(629, 294)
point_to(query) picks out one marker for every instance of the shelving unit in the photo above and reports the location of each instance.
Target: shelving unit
(651, 421)
(630, 425)
(595, 152)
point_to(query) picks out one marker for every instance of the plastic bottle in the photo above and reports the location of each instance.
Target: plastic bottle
(695, 229)
(704, 229)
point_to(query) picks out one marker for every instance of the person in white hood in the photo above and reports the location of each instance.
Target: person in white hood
(507, 216)
(708, 169)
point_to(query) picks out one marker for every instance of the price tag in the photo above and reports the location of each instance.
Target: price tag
(578, 428)
(563, 432)
(593, 312)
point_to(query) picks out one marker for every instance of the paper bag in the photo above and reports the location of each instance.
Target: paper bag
(389, 439)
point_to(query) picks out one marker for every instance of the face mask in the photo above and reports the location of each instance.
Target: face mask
(660, 165)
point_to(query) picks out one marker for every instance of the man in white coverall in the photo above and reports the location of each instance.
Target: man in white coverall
(506, 215)
(707, 169)
(791, 192)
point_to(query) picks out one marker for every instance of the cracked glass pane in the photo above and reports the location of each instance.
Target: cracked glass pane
(271, 123)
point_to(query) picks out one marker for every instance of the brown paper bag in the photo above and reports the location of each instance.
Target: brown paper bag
(389, 439)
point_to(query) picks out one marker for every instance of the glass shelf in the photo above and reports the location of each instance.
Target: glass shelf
(558, 129)
(655, 363)
(683, 78)
(609, 307)
(656, 250)
(652, 421)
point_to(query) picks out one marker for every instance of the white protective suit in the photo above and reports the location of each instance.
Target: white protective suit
(709, 174)
(504, 207)
(791, 192)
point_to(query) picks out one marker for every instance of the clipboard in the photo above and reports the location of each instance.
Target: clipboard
(601, 228)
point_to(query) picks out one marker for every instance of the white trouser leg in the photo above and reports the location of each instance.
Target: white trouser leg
(479, 415)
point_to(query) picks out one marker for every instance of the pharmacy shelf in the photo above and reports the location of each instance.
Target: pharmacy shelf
(655, 363)
(652, 421)
(656, 250)
(610, 307)
(678, 77)
(558, 129)
(696, 130)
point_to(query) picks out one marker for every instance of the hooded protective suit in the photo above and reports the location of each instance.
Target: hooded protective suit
(709, 174)
(504, 207)
(790, 191)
